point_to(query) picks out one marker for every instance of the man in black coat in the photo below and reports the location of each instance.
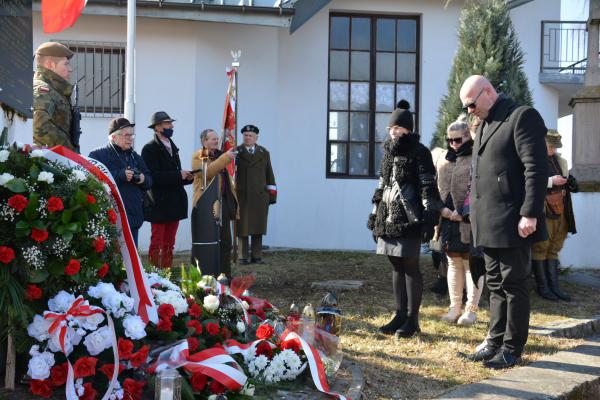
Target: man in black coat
(170, 199)
(507, 211)
(128, 170)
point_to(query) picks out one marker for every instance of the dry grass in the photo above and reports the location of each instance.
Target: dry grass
(421, 367)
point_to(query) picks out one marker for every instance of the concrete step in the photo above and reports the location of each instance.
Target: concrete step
(573, 328)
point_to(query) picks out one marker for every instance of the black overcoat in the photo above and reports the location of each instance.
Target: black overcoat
(170, 198)
(510, 175)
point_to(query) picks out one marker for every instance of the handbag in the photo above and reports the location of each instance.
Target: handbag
(555, 202)
(147, 203)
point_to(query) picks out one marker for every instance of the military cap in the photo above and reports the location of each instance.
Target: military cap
(118, 123)
(250, 128)
(158, 117)
(54, 49)
(553, 138)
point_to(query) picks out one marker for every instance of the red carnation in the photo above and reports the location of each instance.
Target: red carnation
(33, 292)
(125, 348)
(41, 387)
(99, 244)
(198, 382)
(292, 344)
(91, 199)
(195, 310)
(264, 349)
(6, 254)
(193, 344)
(133, 389)
(112, 216)
(139, 358)
(164, 325)
(196, 325)
(265, 331)
(55, 204)
(85, 366)
(72, 267)
(58, 374)
(109, 369)
(166, 311)
(89, 392)
(103, 271)
(18, 202)
(39, 235)
(212, 328)
(216, 387)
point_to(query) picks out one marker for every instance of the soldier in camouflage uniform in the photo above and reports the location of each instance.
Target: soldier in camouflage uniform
(52, 96)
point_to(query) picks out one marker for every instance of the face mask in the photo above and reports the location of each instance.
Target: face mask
(167, 132)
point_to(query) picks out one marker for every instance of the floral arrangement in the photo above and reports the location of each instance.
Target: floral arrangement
(57, 227)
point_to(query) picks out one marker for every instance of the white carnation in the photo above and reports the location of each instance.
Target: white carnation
(211, 303)
(39, 366)
(98, 341)
(135, 328)
(173, 298)
(102, 290)
(36, 153)
(45, 176)
(38, 329)
(61, 302)
(240, 326)
(90, 322)
(78, 175)
(6, 177)
(4, 155)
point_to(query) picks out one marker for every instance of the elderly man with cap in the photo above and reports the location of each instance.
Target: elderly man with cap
(560, 221)
(128, 170)
(170, 199)
(256, 190)
(52, 112)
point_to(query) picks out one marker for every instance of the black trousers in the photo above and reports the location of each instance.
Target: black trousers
(507, 270)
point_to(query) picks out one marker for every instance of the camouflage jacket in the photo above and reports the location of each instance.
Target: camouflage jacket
(51, 109)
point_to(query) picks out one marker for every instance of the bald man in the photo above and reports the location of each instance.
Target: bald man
(507, 211)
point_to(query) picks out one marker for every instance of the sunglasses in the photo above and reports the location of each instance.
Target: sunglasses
(457, 140)
(473, 104)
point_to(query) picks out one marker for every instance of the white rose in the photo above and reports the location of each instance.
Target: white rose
(98, 341)
(61, 302)
(135, 328)
(36, 153)
(39, 366)
(211, 303)
(5, 177)
(4, 155)
(240, 326)
(38, 329)
(79, 175)
(45, 176)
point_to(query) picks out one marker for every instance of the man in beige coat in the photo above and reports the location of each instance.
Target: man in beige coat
(256, 190)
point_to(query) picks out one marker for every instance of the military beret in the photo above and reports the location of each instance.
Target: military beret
(118, 123)
(553, 138)
(250, 128)
(54, 49)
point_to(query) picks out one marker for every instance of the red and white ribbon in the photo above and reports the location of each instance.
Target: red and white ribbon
(59, 326)
(138, 282)
(245, 349)
(272, 189)
(214, 363)
(315, 364)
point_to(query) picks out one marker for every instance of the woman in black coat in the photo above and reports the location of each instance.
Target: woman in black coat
(405, 209)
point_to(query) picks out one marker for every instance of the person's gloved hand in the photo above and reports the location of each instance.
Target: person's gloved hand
(427, 231)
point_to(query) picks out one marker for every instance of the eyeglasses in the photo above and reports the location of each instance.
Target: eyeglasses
(457, 140)
(473, 104)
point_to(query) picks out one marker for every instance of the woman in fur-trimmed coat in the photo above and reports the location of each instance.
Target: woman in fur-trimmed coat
(405, 209)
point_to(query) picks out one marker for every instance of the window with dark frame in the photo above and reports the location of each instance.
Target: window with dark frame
(373, 64)
(99, 71)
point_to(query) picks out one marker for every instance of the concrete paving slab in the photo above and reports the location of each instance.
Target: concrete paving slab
(566, 375)
(573, 328)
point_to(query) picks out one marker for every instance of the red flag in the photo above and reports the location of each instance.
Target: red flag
(229, 123)
(57, 15)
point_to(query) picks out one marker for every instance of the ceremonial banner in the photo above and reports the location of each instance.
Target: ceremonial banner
(229, 123)
(57, 15)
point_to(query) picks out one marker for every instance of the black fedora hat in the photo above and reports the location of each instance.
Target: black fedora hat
(158, 117)
(118, 123)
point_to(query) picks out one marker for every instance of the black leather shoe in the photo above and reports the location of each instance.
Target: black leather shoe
(391, 327)
(409, 329)
(502, 360)
(243, 261)
(487, 353)
(257, 261)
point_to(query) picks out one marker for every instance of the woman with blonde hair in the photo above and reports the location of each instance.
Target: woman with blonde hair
(453, 175)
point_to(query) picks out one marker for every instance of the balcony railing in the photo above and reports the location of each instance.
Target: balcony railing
(564, 47)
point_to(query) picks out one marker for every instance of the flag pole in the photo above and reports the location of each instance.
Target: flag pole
(129, 107)
(235, 65)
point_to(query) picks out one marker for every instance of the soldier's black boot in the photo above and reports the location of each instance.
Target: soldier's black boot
(391, 327)
(539, 271)
(552, 270)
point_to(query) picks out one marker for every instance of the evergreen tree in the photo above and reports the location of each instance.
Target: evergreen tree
(487, 46)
